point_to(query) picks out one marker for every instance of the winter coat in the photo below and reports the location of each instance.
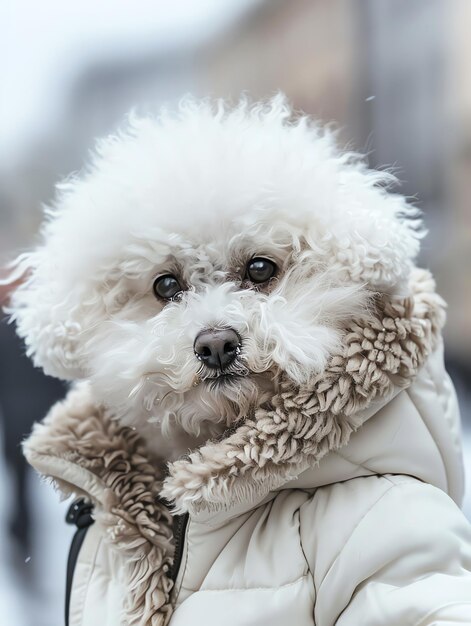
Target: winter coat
(333, 505)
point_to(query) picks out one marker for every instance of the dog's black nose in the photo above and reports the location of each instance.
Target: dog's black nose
(217, 348)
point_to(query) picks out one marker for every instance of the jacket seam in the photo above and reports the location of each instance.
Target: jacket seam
(309, 571)
(357, 465)
(360, 521)
(430, 432)
(431, 374)
(431, 613)
(243, 589)
(89, 575)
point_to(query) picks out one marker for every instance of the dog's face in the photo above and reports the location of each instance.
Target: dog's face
(196, 324)
(204, 255)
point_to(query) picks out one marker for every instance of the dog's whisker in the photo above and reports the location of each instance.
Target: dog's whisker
(136, 389)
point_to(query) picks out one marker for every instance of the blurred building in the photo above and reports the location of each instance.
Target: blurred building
(454, 275)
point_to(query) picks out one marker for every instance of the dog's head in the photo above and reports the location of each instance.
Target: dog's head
(202, 254)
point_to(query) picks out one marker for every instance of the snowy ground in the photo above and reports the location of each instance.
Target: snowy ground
(32, 586)
(32, 590)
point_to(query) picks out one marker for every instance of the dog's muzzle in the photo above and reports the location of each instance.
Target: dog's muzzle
(217, 348)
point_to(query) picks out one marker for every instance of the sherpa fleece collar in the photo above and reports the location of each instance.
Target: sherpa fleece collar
(85, 451)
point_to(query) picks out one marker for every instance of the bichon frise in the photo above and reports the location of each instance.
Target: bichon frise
(201, 255)
(244, 297)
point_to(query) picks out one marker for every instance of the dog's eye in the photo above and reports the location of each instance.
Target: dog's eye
(167, 287)
(260, 270)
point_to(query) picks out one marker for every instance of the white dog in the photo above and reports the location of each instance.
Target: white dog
(200, 255)
(226, 281)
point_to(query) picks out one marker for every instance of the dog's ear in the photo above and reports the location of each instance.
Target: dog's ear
(48, 314)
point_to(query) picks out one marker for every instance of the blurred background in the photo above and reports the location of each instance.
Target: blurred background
(395, 76)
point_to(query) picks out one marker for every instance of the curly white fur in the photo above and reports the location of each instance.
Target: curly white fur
(198, 194)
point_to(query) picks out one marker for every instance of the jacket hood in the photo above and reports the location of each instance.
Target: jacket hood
(380, 356)
(286, 444)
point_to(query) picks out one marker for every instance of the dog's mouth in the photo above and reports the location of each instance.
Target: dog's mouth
(223, 379)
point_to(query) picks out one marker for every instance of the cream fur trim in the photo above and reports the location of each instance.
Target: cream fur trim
(84, 451)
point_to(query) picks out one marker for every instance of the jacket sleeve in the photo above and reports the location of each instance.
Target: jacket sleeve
(388, 551)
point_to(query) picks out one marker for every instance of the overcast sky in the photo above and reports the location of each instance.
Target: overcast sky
(44, 43)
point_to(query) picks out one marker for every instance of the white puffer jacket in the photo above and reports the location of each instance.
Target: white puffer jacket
(357, 525)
